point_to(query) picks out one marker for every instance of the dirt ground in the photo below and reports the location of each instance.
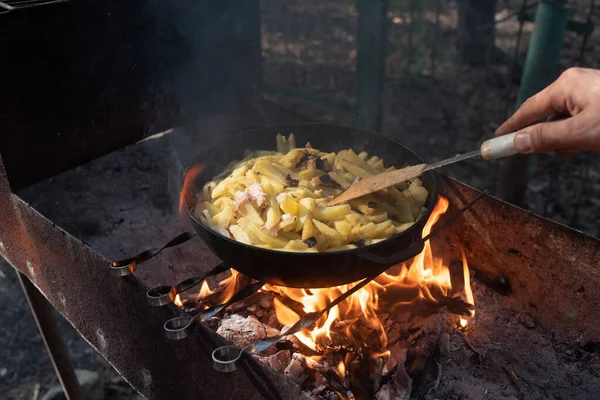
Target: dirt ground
(437, 108)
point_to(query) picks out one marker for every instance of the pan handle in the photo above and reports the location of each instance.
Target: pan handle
(395, 257)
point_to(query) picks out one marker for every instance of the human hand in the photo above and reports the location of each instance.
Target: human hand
(576, 93)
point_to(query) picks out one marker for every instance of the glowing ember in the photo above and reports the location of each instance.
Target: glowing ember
(463, 322)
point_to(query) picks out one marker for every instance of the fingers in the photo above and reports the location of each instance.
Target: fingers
(548, 136)
(536, 108)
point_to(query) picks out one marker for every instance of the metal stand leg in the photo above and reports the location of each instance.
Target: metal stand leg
(42, 312)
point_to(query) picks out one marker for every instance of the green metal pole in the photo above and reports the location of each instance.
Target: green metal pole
(541, 69)
(545, 45)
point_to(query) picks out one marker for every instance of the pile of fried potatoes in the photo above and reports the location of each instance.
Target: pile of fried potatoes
(278, 200)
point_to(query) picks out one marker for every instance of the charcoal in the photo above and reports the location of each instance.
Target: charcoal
(402, 383)
(444, 344)
(295, 371)
(280, 360)
(390, 392)
(396, 359)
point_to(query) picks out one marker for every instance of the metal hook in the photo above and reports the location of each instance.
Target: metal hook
(118, 269)
(178, 327)
(165, 294)
(129, 265)
(225, 358)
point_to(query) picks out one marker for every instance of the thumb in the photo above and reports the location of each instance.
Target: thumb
(547, 136)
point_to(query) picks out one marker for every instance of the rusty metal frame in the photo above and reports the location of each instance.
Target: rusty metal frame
(553, 270)
(112, 315)
(534, 254)
(59, 354)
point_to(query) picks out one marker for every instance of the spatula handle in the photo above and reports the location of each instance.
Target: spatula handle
(502, 146)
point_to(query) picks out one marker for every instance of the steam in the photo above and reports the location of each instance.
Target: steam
(208, 67)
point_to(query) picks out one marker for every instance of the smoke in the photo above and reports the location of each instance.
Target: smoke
(210, 62)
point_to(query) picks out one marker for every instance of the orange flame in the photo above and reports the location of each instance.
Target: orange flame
(468, 291)
(229, 286)
(426, 277)
(222, 293)
(178, 301)
(467, 277)
(341, 369)
(188, 183)
(204, 291)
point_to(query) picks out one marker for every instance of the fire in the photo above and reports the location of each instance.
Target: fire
(178, 301)
(466, 274)
(224, 291)
(341, 370)
(204, 291)
(468, 291)
(221, 293)
(426, 277)
(188, 180)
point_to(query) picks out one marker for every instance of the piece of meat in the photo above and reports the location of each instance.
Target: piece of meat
(241, 198)
(256, 193)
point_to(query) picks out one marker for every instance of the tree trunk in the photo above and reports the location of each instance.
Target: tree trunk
(476, 31)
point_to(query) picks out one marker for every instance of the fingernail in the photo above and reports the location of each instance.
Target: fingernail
(523, 143)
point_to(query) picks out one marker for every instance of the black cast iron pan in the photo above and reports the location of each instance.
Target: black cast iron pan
(309, 270)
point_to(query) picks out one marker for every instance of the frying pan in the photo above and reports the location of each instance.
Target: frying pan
(308, 270)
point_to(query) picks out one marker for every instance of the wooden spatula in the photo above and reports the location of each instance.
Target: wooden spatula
(492, 149)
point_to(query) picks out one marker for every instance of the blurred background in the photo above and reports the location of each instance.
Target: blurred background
(438, 75)
(453, 71)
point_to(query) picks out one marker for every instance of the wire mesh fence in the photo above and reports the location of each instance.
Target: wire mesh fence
(432, 101)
